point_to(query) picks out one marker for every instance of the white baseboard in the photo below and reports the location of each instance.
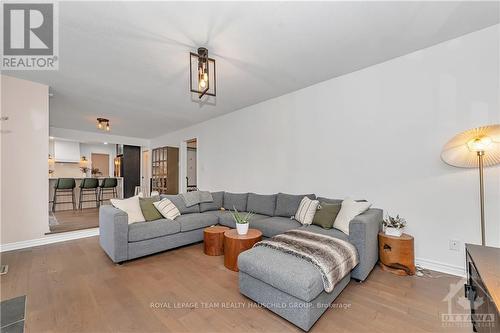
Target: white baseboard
(49, 239)
(441, 267)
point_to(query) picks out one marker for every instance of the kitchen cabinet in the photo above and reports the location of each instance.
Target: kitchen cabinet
(66, 151)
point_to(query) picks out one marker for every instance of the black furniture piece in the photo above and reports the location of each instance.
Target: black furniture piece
(89, 186)
(483, 287)
(130, 169)
(108, 186)
(64, 187)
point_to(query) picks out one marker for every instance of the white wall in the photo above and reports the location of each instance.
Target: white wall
(377, 134)
(84, 136)
(24, 155)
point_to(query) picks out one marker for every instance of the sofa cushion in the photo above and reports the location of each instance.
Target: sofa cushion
(226, 219)
(329, 232)
(306, 211)
(147, 230)
(196, 221)
(235, 200)
(180, 204)
(167, 209)
(214, 205)
(348, 211)
(330, 201)
(273, 226)
(148, 209)
(131, 206)
(287, 204)
(285, 272)
(261, 204)
(326, 214)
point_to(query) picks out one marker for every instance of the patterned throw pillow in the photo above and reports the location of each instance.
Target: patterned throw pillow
(167, 209)
(307, 209)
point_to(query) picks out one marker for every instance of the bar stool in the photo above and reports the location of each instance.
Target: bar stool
(89, 186)
(108, 185)
(64, 187)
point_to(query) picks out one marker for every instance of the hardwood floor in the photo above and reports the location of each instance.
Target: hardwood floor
(71, 220)
(74, 287)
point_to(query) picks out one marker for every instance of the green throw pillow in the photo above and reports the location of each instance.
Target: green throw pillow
(326, 214)
(148, 209)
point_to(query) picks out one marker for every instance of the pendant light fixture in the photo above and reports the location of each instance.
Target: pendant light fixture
(202, 73)
(103, 124)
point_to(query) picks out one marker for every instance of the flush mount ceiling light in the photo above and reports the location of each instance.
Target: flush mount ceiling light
(202, 73)
(103, 124)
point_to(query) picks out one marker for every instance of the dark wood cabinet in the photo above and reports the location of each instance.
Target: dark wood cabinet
(165, 170)
(483, 287)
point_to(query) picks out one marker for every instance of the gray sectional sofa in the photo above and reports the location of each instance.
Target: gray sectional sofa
(266, 275)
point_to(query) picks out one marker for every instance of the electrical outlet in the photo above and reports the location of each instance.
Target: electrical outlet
(454, 245)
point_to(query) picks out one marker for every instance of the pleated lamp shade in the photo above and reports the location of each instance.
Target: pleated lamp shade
(461, 150)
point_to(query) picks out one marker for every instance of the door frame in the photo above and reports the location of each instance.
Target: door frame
(183, 163)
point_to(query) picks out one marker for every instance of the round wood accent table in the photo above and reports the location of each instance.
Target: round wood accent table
(213, 240)
(234, 244)
(396, 254)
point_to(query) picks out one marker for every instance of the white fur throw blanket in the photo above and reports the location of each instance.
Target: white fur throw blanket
(334, 257)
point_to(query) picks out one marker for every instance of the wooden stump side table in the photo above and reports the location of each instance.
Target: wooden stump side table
(213, 240)
(234, 244)
(396, 254)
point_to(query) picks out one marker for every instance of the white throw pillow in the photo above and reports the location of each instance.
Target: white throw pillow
(167, 209)
(130, 206)
(307, 209)
(348, 211)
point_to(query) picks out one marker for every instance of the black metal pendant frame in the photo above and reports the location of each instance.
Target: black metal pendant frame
(202, 57)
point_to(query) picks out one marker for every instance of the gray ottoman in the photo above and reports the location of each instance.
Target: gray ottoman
(286, 285)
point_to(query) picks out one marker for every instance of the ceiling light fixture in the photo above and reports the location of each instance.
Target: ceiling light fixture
(203, 77)
(103, 124)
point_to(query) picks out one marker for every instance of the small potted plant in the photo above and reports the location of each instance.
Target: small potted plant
(95, 172)
(394, 225)
(84, 171)
(242, 221)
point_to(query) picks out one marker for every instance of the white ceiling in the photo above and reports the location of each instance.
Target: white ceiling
(128, 61)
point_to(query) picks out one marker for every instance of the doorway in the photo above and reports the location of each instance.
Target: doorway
(100, 163)
(191, 165)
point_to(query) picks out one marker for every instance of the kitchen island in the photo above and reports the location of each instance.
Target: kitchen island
(87, 196)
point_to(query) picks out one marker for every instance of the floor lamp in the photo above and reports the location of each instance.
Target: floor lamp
(475, 148)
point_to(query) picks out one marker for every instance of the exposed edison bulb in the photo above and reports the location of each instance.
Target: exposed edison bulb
(107, 127)
(205, 76)
(479, 144)
(99, 125)
(203, 83)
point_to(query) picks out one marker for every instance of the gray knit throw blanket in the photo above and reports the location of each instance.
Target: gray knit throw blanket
(334, 257)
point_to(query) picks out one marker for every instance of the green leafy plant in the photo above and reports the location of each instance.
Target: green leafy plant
(95, 172)
(240, 218)
(394, 222)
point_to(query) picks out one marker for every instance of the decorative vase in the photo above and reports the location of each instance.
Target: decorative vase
(242, 229)
(396, 232)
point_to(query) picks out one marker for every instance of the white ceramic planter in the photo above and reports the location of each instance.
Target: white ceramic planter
(242, 229)
(393, 231)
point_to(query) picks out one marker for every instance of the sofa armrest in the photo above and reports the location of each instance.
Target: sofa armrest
(113, 232)
(363, 234)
